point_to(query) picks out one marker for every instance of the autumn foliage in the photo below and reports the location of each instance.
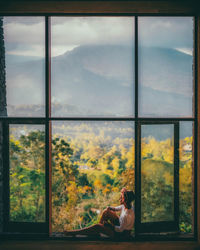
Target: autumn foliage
(89, 167)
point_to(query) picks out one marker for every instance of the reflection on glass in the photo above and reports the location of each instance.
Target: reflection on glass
(165, 66)
(186, 193)
(27, 173)
(92, 66)
(157, 173)
(91, 162)
(24, 39)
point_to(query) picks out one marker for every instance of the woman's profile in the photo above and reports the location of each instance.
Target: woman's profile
(110, 223)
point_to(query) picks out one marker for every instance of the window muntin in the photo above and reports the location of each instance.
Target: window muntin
(92, 66)
(165, 66)
(24, 39)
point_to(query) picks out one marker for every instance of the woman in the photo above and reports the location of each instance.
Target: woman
(110, 223)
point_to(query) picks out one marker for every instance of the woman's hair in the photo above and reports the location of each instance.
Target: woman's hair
(129, 196)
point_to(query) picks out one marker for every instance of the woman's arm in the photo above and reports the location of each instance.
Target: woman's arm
(118, 208)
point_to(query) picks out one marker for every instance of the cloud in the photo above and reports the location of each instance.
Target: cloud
(24, 38)
(187, 51)
(27, 20)
(24, 35)
(74, 31)
(61, 49)
(35, 50)
(168, 32)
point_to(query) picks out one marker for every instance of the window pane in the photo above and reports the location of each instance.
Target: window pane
(157, 173)
(165, 66)
(24, 41)
(92, 66)
(186, 191)
(91, 162)
(27, 173)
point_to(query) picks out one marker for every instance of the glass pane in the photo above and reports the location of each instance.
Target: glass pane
(24, 41)
(165, 66)
(91, 162)
(92, 66)
(27, 173)
(186, 188)
(157, 173)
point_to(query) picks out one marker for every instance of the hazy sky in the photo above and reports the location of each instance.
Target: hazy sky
(166, 32)
(25, 35)
(70, 32)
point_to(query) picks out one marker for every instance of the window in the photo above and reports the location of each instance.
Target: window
(95, 103)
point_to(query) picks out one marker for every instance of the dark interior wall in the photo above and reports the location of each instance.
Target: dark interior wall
(1, 179)
(3, 112)
(100, 6)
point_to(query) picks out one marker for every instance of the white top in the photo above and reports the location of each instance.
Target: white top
(126, 219)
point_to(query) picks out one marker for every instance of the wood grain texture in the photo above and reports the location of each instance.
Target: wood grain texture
(84, 7)
(97, 245)
(198, 142)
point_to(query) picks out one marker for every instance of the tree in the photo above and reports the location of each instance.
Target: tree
(27, 177)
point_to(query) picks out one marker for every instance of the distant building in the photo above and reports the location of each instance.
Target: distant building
(187, 148)
(84, 167)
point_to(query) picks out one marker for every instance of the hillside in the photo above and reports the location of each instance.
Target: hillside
(98, 80)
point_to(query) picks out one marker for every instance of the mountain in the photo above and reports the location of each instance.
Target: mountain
(16, 59)
(97, 80)
(165, 82)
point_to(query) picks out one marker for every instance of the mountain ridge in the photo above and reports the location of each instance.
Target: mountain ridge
(101, 77)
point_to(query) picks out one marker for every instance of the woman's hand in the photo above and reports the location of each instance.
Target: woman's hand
(110, 208)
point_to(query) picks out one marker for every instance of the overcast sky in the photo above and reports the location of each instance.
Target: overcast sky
(166, 32)
(25, 35)
(74, 31)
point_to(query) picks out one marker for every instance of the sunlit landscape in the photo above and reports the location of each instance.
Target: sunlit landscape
(91, 162)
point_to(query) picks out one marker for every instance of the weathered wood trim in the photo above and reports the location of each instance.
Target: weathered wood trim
(198, 141)
(84, 7)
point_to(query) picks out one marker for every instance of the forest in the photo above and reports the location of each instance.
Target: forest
(91, 162)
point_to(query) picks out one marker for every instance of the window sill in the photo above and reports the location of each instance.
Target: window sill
(61, 236)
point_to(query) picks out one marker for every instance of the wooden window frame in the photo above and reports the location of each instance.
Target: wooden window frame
(134, 8)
